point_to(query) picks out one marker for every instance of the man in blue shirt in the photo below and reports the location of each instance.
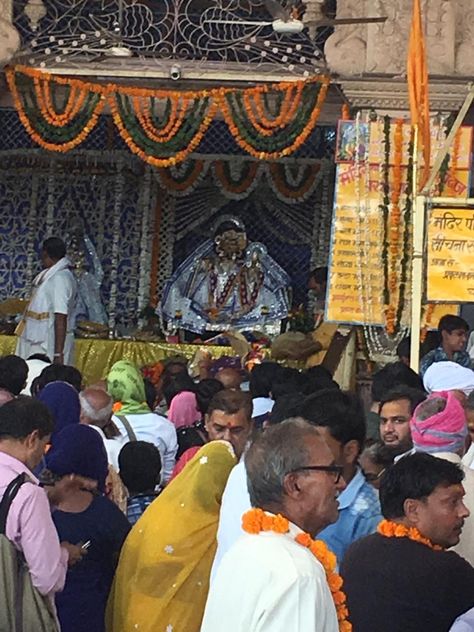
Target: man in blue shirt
(453, 332)
(340, 420)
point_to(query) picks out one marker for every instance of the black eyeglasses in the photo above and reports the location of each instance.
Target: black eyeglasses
(332, 469)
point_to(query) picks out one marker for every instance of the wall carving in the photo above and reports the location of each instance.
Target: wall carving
(377, 52)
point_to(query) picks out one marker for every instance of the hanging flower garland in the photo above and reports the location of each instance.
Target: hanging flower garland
(256, 520)
(199, 115)
(284, 140)
(38, 120)
(236, 182)
(407, 222)
(428, 315)
(386, 213)
(167, 139)
(308, 177)
(185, 179)
(395, 225)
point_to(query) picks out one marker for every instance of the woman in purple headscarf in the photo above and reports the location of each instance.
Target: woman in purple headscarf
(63, 403)
(75, 479)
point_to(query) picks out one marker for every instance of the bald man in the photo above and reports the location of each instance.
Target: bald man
(229, 378)
(96, 412)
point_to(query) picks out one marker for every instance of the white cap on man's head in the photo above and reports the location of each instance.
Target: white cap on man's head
(448, 376)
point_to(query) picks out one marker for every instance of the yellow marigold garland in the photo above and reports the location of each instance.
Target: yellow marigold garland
(391, 529)
(256, 520)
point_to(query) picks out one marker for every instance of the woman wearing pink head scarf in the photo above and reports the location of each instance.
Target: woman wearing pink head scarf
(183, 410)
(439, 427)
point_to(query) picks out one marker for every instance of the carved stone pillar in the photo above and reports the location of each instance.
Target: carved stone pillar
(9, 37)
(371, 58)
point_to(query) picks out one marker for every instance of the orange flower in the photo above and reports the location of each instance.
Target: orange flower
(255, 521)
(117, 407)
(281, 524)
(391, 529)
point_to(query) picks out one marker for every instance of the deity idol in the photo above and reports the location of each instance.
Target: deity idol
(227, 284)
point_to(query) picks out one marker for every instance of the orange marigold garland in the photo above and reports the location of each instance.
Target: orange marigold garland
(256, 520)
(391, 529)
(35, 135)
(279, 136)
(429, 311)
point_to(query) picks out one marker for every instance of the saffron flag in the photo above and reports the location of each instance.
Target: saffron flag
(417, 75)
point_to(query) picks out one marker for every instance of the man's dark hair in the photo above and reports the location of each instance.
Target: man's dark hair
(286, 407)
(140, 466)
(317, 379)
(230, 402)
(173, 385)
(338, 411)
(393, 375)
(469, 403)
(150, 393)
(40, 356)
(413, 395)
(404, 348)
(450, 322)
(55, 248)
(13, 374)
(262, 378)
(205, 391)
(415, 476)
(288, 381)
(320, 275)
(22, 416)
(57, 373)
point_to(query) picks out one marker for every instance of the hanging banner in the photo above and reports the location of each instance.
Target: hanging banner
(371, 239)
(450, 263)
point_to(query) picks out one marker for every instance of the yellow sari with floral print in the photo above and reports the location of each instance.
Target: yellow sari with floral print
(162, 578)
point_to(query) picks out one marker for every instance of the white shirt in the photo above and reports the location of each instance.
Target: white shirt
(154, 429)
(464, 623)
(468, 458)
(235, 502)
(261, 406)
(269, 583)
(112, 446)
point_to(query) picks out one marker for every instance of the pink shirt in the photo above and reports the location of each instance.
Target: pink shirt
(31, 529)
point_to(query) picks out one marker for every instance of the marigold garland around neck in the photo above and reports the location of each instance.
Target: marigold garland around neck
(391, 529)
(256, 520)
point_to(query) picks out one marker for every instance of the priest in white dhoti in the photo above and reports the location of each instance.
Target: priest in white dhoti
(47, 325)
(276, 577)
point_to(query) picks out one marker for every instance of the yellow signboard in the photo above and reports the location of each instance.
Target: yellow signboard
(450, 264)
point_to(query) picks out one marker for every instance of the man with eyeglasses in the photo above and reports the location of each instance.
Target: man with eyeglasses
(267, 581)
(340, 420)
(395, 412)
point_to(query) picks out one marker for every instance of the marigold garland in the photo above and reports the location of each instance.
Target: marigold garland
(429, 310)
(223, 175)
(284, 187)
(395, 225)
(390, 529)
(293, 124)
(385, 208)
(256, 520)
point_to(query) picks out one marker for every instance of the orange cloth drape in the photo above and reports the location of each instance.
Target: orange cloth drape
(417, 74)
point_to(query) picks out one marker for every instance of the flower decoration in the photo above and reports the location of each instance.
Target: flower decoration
(256, 520)
(391, 529)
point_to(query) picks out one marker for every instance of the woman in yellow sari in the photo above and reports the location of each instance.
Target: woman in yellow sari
(162, 579)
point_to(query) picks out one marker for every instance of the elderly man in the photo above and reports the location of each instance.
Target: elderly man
(96, 411)
(47, 326)
(229, 378)
(270, 580)
(403, 578)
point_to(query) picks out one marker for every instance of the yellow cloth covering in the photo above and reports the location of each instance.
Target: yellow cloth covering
(94, 357)
(162, 579)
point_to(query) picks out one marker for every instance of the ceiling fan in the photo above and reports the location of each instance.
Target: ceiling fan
(288, 19)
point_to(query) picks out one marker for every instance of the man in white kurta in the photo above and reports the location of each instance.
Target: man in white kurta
(267, 582)
(47, 326)
(270, 583)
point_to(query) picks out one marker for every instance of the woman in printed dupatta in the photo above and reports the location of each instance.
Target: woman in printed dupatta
(162, 579)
